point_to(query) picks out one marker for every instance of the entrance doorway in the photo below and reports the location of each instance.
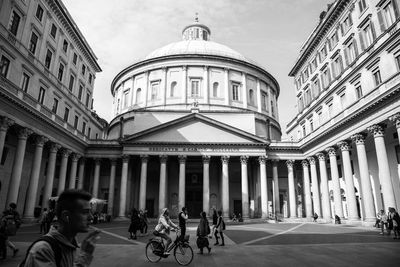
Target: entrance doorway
(237, 208)
(194, 194)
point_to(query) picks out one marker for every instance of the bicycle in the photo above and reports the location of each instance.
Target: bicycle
(183, 252)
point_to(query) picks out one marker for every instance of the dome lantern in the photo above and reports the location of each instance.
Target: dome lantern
(196, 31)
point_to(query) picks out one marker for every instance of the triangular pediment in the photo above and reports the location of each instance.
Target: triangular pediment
(194, 128)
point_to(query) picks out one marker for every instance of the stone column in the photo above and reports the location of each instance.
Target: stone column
(63, 170)
(395, 119)
(143, 182)
(226, 87)
(123, 188)
(292, 191)
(182, 180)
(184, 84)
(81, 172)
(383, 164)
(348, 176)
(264, 189)
(5, 123)
(16, 172)
(225, 186)
(51, 166)
(275, 177)
(245, 187)
(34, 180)
(244, 90)
(325, 198)
(206, 88)
(315, 186)
(162, 199)
(365, 181)
(206, 184)
(307, 189)
(111, 187)
(72, 175)
(259, 105)
(337, 196)
(96, 177)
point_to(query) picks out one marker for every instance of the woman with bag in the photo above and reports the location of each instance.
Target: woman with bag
(220, 227)
(203, 230)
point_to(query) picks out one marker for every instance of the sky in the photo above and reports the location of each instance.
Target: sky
(270, 32)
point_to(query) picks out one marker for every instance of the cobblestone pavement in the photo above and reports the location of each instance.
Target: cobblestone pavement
(283, 244)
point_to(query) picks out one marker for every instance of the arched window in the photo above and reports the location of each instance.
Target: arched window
(138, 95)
(173, 89)
(251, 97)
(215, 89)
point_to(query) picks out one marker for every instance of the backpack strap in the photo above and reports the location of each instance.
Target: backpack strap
(54, 246)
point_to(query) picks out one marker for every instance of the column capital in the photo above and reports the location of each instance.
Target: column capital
(343, 145)
(311, 160)
(274, 161)
(359, 138)
(244, 159)
(97, 160)
(65, 152)
(289, 163)
(163, 158)
(54, 147)
(262, 159)
(184, 68)
(205, 67)
(113, 161)
(331, 151)
(304, 163)
(226, 70)
(83, 160)
(321, 156)
(75, 156)
(396, 119)
(225, 159)
(125, 158)
(144, 158)
(182, 158)
(377, 130)
(23, 133)
(5, 123)
(206, 159)
(39, 140)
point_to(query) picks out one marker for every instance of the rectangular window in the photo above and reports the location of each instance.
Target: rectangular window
(76, 120)
(75, 58)
(71, 83)
(316, 88)
(33, 43)
(326, 78)
(42, 93)
(65, 46)
(83, 70)
(397, 149)
(264, 100)
(14, 23)
(377, 77)
(88, 132)
(359, 92)
(306, 74)
(39, 13)
(311, 124)
(47, 60)
(154, 90)
(330, 109)
(83, 127)
(55, 106)
(53, 31)
(4, 66)
(314, 65)
(397, 58)
(303, 127)
(334, 40)
(368, 35)
(346, 24)
(195, 88)
(320, 118)
(323, 53)
(80, 92)
(300, 104)
(343, 100)
(235, 92)
(362, 6)
(337, 66)
(25, 82)
(66, 114)
(60, 72)
(298, 83)
(87, 100)
(126, 98)
(90, 78)
(351, 52)
(272, 109)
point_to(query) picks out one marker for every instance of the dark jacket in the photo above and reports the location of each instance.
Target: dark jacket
(203, 229)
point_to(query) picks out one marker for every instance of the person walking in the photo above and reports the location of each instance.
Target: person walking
(43, 221)
(144, 222)
(219, 228)
(384, 222)
(214, 223)
(203, 230)
(394, 217)
(183, 217)
(135, 224)
(59, 246)
(12, 221)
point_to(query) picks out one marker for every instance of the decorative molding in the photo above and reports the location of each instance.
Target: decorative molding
(39, 140)
(244, 159)
(289, 163)
(65, 152)
(5, 123)
(395, 119)
(182, 158)
(262, 159)
(331, 151)
(304, 163)
(54, 147)
(321, 156)
(23, 133)
(206, 159)
(144, 158)
(125, 158)
(377, 130)
(225, 159)
(311, 160)
(163, 158)
(75, 157)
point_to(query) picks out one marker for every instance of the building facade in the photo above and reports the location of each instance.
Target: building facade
(196, 123)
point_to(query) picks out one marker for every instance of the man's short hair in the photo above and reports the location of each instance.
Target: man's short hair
(67, 200)
(13, 205)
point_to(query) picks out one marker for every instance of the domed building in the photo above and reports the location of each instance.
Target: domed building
(191, 115)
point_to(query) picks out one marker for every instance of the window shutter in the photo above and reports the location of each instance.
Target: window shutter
(381, 21)
(361, 36)
(396, 7)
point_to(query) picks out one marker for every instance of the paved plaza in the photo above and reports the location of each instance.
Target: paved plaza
(283, 244)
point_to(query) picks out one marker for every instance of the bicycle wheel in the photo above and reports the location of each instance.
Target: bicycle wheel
(183, 254)
(151, 249)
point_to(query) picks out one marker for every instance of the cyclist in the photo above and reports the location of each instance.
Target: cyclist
(163, 227)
